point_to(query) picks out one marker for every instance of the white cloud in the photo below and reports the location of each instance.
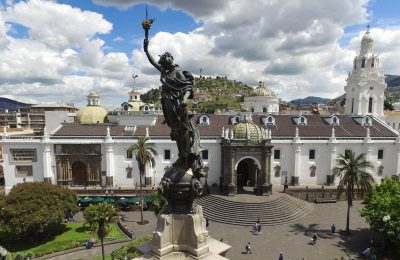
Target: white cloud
(291, 45)
(57, 25)
(62, 58)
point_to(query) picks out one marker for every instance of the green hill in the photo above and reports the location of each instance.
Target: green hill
(210, 94)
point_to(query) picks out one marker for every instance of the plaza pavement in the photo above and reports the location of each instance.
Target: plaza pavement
(291, 239)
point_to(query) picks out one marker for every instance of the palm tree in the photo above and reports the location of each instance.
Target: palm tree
(353, 172)
(144, 153)
(100, 217)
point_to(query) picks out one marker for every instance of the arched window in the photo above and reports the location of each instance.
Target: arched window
(237, 119)
(302, 120)
(252, 109)
(204, 119)
(370, 105)
(270, 119)
(352, 105)
(355, 64)
(146, 108)
(334, 120)
(366, 121)
(264, 109)
(372, 63)
(363, 63)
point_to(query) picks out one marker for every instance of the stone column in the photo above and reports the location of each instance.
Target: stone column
(109, 164)
(232, 185)
(333, 157)
(266, 171)
(368, 157)
(297, 162)
(47, 171)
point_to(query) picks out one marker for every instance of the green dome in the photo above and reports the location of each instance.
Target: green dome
(244, 129)
(91, 115)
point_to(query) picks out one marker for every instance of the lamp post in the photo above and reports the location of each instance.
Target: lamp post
(107, 196)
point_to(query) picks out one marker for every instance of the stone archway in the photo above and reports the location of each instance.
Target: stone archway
(79, 174)
(247, 172)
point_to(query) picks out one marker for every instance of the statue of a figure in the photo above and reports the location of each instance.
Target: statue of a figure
(176, 90)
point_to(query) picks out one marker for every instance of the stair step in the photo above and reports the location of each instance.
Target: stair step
(277, 211)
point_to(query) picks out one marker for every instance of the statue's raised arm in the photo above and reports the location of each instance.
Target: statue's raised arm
(146, 26)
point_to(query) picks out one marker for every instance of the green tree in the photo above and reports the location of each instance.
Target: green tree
(157, 202)
(353, 172)
(99, 218)
(383, 201)
(144, 154)
(34, 209)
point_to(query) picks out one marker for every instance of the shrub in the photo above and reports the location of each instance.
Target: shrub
(129, 251)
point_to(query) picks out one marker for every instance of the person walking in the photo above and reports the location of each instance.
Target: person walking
(280, 256)
(333, 228)
(314, 238)
(259, 229)
(248, 248)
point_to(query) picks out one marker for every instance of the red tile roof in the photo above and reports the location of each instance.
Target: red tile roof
(284, 127)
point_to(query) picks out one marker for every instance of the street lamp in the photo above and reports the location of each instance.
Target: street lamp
(109, 194)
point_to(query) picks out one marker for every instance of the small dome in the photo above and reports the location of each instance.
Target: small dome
(367, 43)
(247, 130)
(134, 91)
(92, 94)
(262, 91)
(367, 37)
(91, 115)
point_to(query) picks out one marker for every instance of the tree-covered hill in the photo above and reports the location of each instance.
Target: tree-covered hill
(210, 94)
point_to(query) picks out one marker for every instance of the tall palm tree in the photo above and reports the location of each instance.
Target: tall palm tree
(144, 153)
(100, 217)
(353, 172)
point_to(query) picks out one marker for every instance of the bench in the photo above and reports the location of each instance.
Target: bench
(325, 200)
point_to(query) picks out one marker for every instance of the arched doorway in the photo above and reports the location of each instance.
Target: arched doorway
(79, 174)
(242, 174)
(247, 173)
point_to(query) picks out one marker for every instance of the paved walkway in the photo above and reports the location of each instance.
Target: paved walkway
(291, 239)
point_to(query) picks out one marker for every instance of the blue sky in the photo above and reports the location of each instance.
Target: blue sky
(55, 51)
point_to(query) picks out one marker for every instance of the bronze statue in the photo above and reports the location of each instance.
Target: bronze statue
(176, 90)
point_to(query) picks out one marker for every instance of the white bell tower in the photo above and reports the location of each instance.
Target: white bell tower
(365, 89)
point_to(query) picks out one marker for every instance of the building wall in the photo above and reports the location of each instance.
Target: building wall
(290, 149)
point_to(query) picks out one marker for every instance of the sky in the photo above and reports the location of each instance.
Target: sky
(59, 51)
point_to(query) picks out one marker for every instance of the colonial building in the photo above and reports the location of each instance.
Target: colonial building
(134, 112)
(93, 113)
(261, 100)
(365, 89)
(257, 149)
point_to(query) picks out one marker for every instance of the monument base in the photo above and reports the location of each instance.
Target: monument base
(182, 236)
(266, 189)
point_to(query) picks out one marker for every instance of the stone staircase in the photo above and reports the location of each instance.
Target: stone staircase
(274, 210)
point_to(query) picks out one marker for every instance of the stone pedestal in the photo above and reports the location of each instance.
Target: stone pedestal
(183, 236)
(231, 189)
(266, 189)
